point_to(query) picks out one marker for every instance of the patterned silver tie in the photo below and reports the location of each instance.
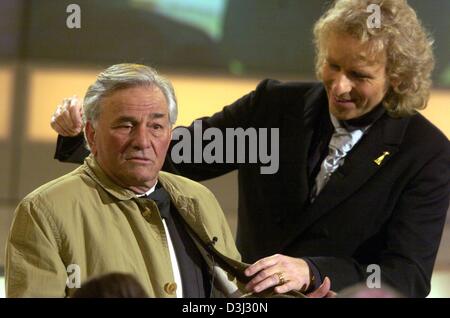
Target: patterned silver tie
(341, 143)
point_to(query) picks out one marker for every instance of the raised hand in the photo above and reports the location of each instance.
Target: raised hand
(67, 119)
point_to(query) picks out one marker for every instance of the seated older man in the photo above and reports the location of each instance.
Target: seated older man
(118, 212)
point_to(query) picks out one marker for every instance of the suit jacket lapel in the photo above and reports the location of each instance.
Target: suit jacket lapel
(295, 141)
(359, 166)
(315, 101)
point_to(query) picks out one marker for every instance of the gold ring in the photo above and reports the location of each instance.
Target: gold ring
(281, 279)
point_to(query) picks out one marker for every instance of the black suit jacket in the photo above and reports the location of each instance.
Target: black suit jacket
(390, 214)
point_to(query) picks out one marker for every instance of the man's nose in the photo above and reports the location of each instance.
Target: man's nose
(341, 85)
(141, 137)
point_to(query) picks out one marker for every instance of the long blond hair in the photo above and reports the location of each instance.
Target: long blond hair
(400, 35)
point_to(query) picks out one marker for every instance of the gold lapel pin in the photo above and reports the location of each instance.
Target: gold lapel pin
(380, 159)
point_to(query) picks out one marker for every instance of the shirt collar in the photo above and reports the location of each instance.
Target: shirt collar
(365, 120)
(148, 192)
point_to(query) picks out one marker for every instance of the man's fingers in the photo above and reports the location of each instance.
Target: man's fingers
(261, 265)
(60, 130)
(331, 294)
(57, 111)
(270, 281)
(75, 111)
(322, 291)
(65, 115)
(288, 286)
(279, 271)
(61, 122)
(267, 274)
(67, 119)
(282, 283)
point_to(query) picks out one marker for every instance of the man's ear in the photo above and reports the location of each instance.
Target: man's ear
(90, 136)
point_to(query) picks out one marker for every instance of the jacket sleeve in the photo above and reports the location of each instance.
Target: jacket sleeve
(412, 237)
(243, 113)
(71, 149)
(33, 265)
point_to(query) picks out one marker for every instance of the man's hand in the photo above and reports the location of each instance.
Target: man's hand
(282, 272)
(67, 119)
(323, 291)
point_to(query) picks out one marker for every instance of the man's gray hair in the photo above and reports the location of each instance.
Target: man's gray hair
(120, 76)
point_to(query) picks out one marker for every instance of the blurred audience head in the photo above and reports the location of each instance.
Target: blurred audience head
(362, 291)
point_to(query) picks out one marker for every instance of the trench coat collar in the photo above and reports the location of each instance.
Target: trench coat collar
(185, 204)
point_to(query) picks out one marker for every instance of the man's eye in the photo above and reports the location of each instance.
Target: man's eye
(124, 126)
(359, 75)
(157, 126)
(333, 66)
